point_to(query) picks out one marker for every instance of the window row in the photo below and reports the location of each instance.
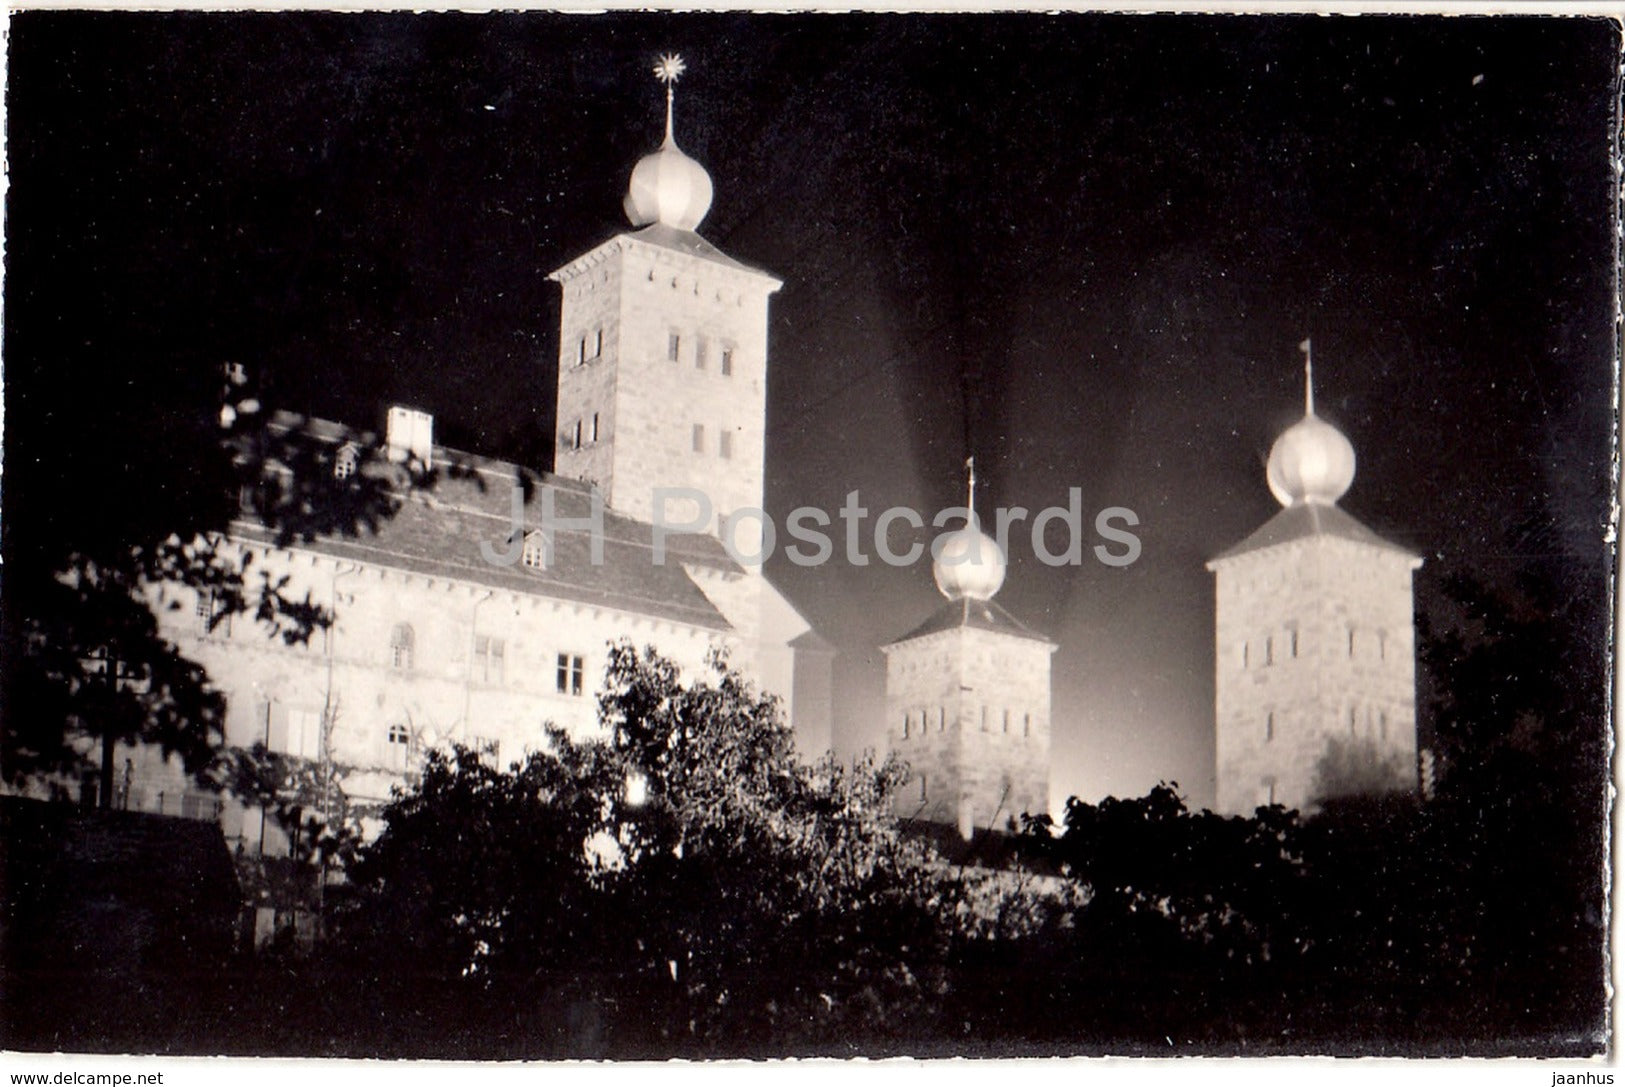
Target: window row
(582, 433)
(701, 351)
(490, 657)
(1287, 644)
(1371, 722)
(725, 441)
(922, 722)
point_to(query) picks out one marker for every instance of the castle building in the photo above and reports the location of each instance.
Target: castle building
(1315, 652)
(968, 698)
(456, 623)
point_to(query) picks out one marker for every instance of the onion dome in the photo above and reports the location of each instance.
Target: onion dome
(1311, 462)
(667, 186)
(967, 563)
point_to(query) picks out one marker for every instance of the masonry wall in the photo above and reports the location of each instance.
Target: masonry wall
(649, 403)
(1315, 674)
(455, 686)
(969, 710)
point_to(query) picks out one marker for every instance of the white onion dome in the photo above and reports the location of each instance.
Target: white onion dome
(1310, 462)
(668, 187)
(969, 565)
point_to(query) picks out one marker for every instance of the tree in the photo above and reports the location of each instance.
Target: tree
(683, 884)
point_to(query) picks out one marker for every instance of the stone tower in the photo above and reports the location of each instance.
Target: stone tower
(1315, 669)
(663, 355)
(968, 698)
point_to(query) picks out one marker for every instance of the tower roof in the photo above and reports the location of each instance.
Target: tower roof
(667, 186)
(966, 613)
(1307, 520)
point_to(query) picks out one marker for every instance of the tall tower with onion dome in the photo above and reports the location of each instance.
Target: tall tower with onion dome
(1315, 646)
(663, 353)
(662, 406)
(968, 696)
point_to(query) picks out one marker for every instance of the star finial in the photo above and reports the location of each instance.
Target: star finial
(670, 68)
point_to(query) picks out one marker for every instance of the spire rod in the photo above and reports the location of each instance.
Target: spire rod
(668, 70)
(970, 489)
(1308, 377)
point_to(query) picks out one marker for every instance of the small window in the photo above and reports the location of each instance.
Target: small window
(725, 444)
(401, 646)
(699, 352)
(488, 658)
(942, 719)
(1269, 726)
(699, 438)
(727, 361)
(1351, 643)
(581, 351)
(534, 554)
(674, 346)
(570, 669)
(1293, 632)
(595, 426)
(907, 721)
(398, 745)
(213, 613)
(984, 718)
(1352, 716)
(1269, 650)
(345, 461)
(575, 435)
(1026, 724)
(1007, 722)
(1382, 645)
(597, 343)
(1246, 655)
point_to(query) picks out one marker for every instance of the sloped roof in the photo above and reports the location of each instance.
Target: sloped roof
(976, 615)
(1307, 520)
(686, 241)
(439, 527)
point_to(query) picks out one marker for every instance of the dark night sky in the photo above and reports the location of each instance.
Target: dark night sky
(1082, 247)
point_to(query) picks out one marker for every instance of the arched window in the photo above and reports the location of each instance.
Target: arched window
(401, 645)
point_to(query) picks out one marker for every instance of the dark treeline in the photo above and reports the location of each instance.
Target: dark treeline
(688, 888)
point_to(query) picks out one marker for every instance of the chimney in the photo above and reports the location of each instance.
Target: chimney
(409, 435)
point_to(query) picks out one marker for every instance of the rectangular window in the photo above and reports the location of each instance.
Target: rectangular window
(1269, 726)
(674, 346)
(575, 438)
(595, 426)
(570, 669)
(727, 361)
(725, 444)
(213, 613)
(488, 658)
(699, 352)
(581, 351)
(597, 343)
(292, 730)
(699, 438)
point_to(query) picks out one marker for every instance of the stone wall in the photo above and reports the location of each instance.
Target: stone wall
(1314, 663)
